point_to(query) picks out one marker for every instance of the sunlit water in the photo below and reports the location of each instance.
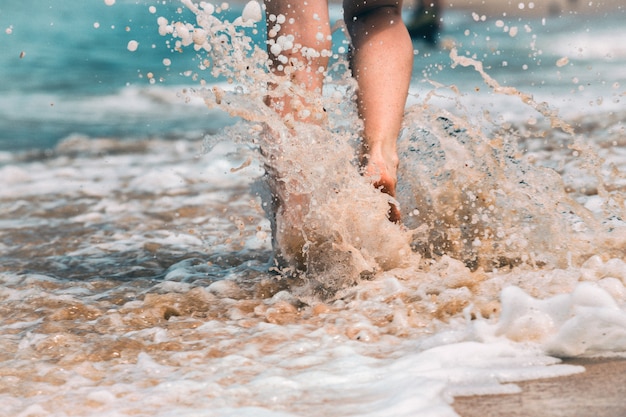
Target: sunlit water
(136, 253)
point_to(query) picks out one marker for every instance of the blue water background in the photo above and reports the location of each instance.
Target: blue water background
(60, 75)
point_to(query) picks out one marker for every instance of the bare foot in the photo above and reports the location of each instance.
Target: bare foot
(382, 168)
(287, 214)
(289, 234)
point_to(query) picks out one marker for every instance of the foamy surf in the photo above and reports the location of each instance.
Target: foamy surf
(144, 271)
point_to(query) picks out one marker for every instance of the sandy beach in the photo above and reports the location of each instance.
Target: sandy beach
(599, 391)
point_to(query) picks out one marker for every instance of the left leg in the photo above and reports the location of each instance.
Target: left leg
(299, 46)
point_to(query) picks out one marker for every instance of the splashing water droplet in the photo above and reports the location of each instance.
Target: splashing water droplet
(132, 45)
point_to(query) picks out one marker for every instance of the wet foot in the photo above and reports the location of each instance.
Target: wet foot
(382, 170)
(289, 234)
(287, 217)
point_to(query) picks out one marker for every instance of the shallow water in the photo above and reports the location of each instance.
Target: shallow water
(136, 271)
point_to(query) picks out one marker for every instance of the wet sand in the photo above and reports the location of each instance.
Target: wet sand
(600, 391)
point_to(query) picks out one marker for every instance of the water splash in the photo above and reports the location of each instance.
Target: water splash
(464, 193)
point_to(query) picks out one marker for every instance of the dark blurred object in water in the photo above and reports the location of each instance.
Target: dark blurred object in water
(425, 22)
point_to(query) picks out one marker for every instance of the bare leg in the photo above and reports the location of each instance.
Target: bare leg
(299, 45)
(382, 63)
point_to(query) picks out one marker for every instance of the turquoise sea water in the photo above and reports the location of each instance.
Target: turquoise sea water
(65, 68)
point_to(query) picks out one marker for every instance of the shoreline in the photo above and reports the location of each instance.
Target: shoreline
(530, 8)
(599, 391)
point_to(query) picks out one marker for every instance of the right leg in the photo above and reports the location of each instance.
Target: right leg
(382, 63)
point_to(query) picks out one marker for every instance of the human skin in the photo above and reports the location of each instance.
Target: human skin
(381, 60)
